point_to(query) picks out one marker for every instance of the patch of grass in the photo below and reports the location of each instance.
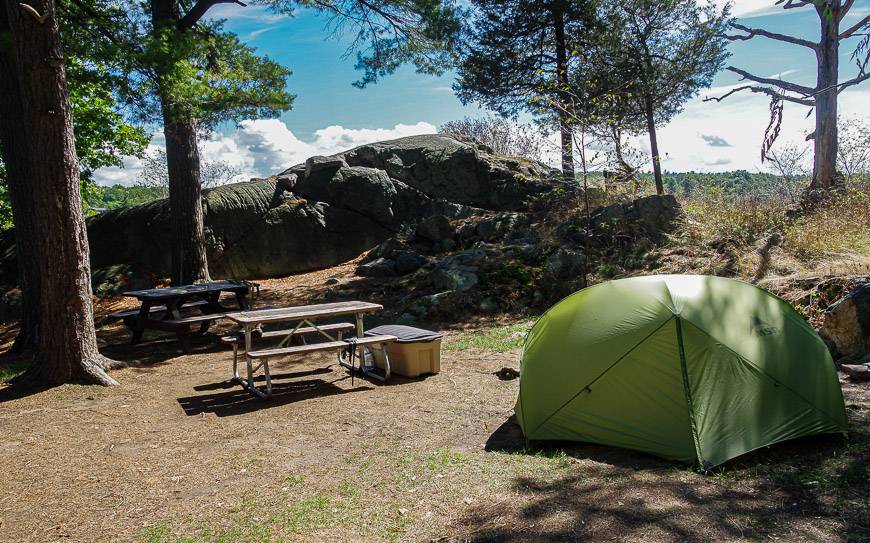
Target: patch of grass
(159, 533)
(394, 532)
(442, 458)
(499, 339)
(742, 218)
(12, 370)
(840, 227)
(346, 489)
(314, 512)
(257, 521)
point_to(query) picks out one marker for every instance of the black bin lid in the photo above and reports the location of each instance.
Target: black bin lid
(406, 334)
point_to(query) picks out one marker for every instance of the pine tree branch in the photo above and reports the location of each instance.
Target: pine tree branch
(785, 85)
(752, 32)
(855, 28)
(763, 90)
(199, 10)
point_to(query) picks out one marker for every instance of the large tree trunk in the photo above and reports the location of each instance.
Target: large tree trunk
(13, 147)
(825, 135)
(654, 145)
(565, 109)
(189, 264)
(44, 189)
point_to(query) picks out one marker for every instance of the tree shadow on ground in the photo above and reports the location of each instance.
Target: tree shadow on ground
(148, 355)
(799, 490)
(236, 400)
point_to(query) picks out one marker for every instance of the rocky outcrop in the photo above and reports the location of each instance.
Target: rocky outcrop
(317, 214)
(651, 216)
(462, 172)
(846, 325)
(253, 229)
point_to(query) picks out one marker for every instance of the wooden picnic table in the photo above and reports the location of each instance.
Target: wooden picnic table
(204, 297)
(305, 318)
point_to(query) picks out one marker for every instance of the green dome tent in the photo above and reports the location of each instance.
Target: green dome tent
(698, 369)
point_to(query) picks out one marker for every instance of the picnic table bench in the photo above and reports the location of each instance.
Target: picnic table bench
(306, 318)
(204, 298)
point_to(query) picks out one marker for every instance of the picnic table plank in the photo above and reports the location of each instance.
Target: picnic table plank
(316, 311)
(186, 290)
(326, 346)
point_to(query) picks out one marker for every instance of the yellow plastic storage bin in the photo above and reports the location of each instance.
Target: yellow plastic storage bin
(416, 352)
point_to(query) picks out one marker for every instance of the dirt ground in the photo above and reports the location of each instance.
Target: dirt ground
(177, 453)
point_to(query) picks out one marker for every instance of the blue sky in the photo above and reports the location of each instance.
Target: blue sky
(330, 115)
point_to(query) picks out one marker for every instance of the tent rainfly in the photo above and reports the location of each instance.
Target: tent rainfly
(697, 369)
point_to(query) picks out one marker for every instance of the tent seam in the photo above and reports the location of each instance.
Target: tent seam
(769, 376)
(590, 383)
(684, 370)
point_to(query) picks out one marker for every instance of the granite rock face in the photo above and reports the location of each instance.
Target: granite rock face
(320, 213)
(846, 325)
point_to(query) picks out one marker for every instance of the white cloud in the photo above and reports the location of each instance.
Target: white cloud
(754, 8)
(266, 146)
(740, 120)
(255, 14)
(259, 32)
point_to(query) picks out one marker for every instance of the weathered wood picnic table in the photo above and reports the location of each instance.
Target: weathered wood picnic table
(204, 298)
(305, 318)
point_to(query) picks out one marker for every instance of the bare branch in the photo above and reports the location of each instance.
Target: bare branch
(855, 81)
(762, 90)
(845, 9)
(199, 10)
(752, 32)
(785, 85)
(855, 28)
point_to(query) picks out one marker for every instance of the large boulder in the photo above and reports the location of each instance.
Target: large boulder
(253, 230)
(435, 229)
(462, 172)
(652, 216)
(367, 191)
(846, 325)
(314, 215)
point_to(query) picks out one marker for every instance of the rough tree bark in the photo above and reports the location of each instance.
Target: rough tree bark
(13, 146)
(654, 144)
(825, 134)
(566, 133)
(189, 264)
(39, 150)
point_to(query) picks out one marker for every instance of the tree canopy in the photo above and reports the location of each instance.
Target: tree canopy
(654, 56)
(385, 34)
(516, 51)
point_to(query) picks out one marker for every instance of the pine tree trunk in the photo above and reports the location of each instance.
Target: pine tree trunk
(825, 135)
(565, 131)
(13, 148)
(44, 187)
(654, 145)
(189, 263)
